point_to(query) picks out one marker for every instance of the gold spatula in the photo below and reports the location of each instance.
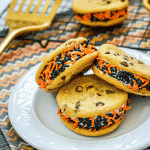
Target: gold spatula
(20, 22)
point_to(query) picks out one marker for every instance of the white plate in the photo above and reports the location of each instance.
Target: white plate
(33, 114)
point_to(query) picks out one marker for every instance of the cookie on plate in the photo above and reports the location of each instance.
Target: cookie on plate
(100, 12)
(61, 65)
(121, 70)
(146, 3)
(90, 106)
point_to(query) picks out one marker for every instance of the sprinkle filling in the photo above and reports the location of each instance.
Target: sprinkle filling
(102, 16)
(99, 122)
(65, 59)
(134, 82)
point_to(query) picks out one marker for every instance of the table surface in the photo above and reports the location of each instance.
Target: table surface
(29, 49)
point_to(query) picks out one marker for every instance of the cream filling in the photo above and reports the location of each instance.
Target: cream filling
(117, 111)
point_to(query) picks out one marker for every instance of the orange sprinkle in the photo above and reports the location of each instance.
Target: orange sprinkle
(63, 56)
(107, 14)
(55, 58)
(56, 66)
(58, 111)
(92, 118)
(75, 120)
(106, 71)
(87, 17)
(147, 82)
(101, 66)
(142, 79)
(135, 87)
(118, 68)
(109, 71)
(114, 114)
(94, 130)
(102, 15)
(130, 86)
(77, 45)
(74, 125)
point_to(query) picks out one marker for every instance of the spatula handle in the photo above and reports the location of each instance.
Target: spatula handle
(13, 33)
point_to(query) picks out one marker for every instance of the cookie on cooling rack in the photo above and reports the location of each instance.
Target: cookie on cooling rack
(100, 12)
(146, 3)
(90, 106)
(71, 58)
(121, 70)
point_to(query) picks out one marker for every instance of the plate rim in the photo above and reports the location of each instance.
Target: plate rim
(18, 128)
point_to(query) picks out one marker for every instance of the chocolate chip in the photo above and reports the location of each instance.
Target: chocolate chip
(140, 62)
(78, 102)
(79, 89)
(114, 54)
(123, 0)
(109, 92)
(77, 106)
(64, 109)
(131, 64)
(89, 87)
(100, 103)
(125, 58)
(63, 77)
(99, 94)
(108, 2)
(107, 52)
(124, 63)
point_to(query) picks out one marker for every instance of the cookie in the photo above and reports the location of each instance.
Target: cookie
(121, 70)
(146, 3)
(68, 60)
(100, 12)
(90, 106)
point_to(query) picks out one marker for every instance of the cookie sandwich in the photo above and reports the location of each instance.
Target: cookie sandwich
(121, 70)
(146, 3)
(71, 58)
(100, 12)
(90, 106)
